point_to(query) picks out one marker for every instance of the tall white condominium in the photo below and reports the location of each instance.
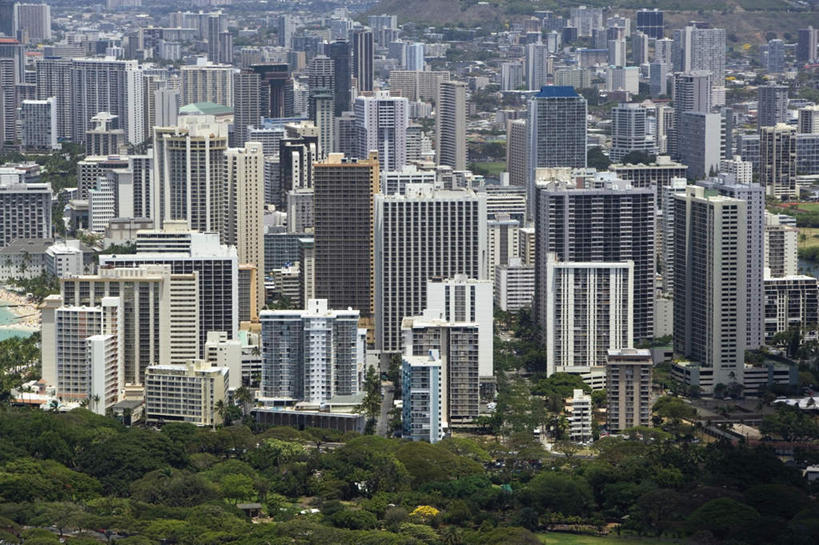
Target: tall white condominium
(754, 197)
(772, 105)
(537, 65)
(557, 132)
(710, 284)
(514, 285)
(666, 237)
(462, 299)
(312, 355)
(88, 353)
(160, 320)
(628, 388)
(700, 49)
(108, 85)
(25, 211)
(608, 225)
(589, 310)
(777, 161)
(740, 170)
(244, 227)
(188, 392)
(187, 251)
(585, 20)
(422, 389)
(207, 83)
(781, 257)
(692, 93)
(629, 131)
(450, 124)
(53, 79)
(35, 19)
(503, 234)
(511, 76)
(189, 173)
(421, 235)
(382, 122)
(38, 120)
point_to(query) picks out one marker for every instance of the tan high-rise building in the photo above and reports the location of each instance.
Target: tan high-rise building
(777, 161)
(450, 124)
(208, 83)
(344, 193)
(628, 388)
(244, 228)
(187, 392)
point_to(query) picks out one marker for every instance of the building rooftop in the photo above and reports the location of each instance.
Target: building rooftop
(30, 245)
(205, 108)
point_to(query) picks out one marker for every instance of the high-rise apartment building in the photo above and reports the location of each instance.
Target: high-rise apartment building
(517, 152)
(781, 254)
(514, 285)
(247, 105)
(697, 48)
(650, 22)
(53, 79)
(207, 83)
(609, 225)
(754, 197)
(699, 143)
(629, 132)
(107, 85)
(186, 252)
(450, 124)
(692, 93)
(511, 76)
(38, 121)
(34, 20)
(775, 56)
(382, 122)
(311, 355)
(777, 161)
(557, 132)
(589, 311)
(340, 54)
(244, 227)
(710, 283)
(772, 105)
(422, 391)
(417, 86)
(25, 211)
(189, 173)
(806, 47)
(344, 226)
(537, 65)
(421, 235)
(363, 58)
(160, 313)
(808, 122)
(628, 388)
(791, 302)
(276, 93)
(8, 104)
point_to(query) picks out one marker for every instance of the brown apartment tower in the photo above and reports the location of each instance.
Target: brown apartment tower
(344, 192)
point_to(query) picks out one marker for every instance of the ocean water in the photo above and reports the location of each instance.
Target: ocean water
(8, 317)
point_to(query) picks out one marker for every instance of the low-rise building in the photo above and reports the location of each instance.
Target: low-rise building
(628, 388)
(188, 392)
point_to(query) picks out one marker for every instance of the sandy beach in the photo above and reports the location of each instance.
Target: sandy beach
(25, 309)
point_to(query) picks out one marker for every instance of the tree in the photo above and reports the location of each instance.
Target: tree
(237, 488)
(595, 158)
(558, 492)
(723, 517)
(790, 423)
(62, 515)
(371, 405)
(638, 157)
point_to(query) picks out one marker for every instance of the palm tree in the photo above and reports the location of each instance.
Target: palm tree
(245, 397)
(220, 408)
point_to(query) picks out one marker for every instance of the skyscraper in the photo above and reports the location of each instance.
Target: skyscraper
(808, 122)
(517, 152)
(423, 234)
(609, 225)
(772, 105)
(450, 125)
(8, 103)
(537, 60)
(754, 197)
(54, 80)
(628, 388)
(806, 50)
(207, 83)
(629, 131)
(339, 52)
(699, 143)
(422, 386)
(710, 283)
(321, 100)
(189, 173)
(557, 132)
(344, 227)
(273, 94)
(244, 227)
(363, 60)
(692, 93)
(777, 161)
(247, 104)
(382, 122)
(25, 211)
(700, 49)
(776, 56)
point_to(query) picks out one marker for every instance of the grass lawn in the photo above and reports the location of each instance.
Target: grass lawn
(809, 206)
(808, 237)
(555, 538)
(489, 169)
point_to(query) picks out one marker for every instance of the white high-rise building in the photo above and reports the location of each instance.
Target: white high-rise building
(415, 56)
(33, 19)
(700, 49)
(188, 392)
(422, 394)
(450, 124)
(590, 310)
(781, 253)
(312, 355)
(629, 132)
(207, 83)
(579, 407)
(422, 235)
(382, 122)
(38, 121)
(741, 171)
(710, 284)
(537, 65)
(514, 285)
(503, 235)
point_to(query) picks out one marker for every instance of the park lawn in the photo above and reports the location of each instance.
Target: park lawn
(808, 206)
(490, 169)
(808, 237)
(557, 538)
